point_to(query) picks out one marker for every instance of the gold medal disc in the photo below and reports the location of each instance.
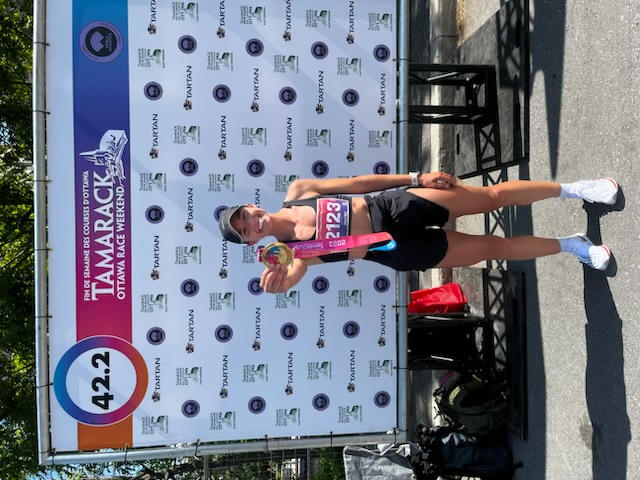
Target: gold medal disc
(277, 253)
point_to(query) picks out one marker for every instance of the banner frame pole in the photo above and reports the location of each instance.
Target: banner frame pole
(271, 444)
(402, 278)
(40, 228)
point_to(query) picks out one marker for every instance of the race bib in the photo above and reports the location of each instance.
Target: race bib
(332, 220)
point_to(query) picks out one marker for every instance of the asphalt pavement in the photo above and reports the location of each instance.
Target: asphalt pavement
(581, 117)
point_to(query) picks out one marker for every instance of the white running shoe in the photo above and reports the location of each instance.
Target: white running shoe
(595, 256)
(604, 190)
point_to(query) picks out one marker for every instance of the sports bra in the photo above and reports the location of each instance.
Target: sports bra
(333, 221)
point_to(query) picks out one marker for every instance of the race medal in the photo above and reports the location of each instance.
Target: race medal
(276, 253)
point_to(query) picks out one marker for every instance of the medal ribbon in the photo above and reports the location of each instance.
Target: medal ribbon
(314, 248)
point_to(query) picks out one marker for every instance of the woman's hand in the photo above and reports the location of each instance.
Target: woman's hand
(279, 279)
(274, 279)
(438, 180)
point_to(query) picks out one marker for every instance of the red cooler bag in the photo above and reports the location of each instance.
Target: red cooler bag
(443, 299)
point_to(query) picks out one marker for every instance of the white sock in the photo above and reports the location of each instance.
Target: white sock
(568, 190)
(566, 244)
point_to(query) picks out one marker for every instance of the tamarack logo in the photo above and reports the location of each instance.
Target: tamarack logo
(150, 181)
(348, 298)
(255, 372)
(379, 368)
(186, 134)
(150, 57)
(222, 301)
(251, 136)
(104, 219)
(221, 182)
(253, 15)
(222, 420)
(188, 376)
(380, 21)
(151, 303)
(350, 414)
(155, 425)
(188, 255)
(290, 299)
(220, 61)
(185, 11)
(318, 137)
(319, 370)
(318, 18)
(287, 416)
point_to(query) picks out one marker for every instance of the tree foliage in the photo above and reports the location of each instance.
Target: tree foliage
(18, 449)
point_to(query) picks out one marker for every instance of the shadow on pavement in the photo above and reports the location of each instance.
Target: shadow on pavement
(547, 60)
(535, 446)
(605, 386)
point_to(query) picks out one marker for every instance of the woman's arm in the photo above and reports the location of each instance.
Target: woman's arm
(278, 278)
(307, 187)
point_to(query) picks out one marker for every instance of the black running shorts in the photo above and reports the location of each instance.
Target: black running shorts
(414, 224)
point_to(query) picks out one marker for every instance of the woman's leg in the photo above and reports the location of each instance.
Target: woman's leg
(467, 200)
(466, 250)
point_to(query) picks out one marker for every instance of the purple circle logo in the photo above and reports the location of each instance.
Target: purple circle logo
(351, 329)
(156, 335)
(189, 288)
(154, 214)
(289, 331)
(350, 97)
(320, 402)
(381, 284)
(381, 53)
(218, 211)
(381, 168)
(188, 167)
(287, 95)
(221, 93)
(382, 399)
(320, 169)
(255, 47)
(101, 42)
(153, 90)
(190, 408)
(255, 167)
(319, 50)
(187, 44)
(320, 285)
(257, 405)
(224, 333)
(254, 286)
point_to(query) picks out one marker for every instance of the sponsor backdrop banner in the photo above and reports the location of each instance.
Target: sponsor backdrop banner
(164, 113)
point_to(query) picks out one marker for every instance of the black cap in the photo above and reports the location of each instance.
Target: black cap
(227, 230)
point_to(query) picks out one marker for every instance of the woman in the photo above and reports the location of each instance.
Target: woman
(414, 216)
